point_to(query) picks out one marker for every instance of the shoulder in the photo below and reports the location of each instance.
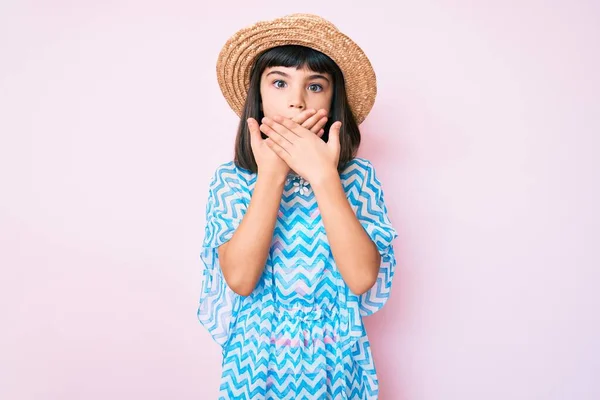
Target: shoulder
(358, 165)
(228, 173)
(229, 169)
(353, 176)
(360, 180)
(357, 169)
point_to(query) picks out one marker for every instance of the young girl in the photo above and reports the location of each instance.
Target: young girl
(298, 244)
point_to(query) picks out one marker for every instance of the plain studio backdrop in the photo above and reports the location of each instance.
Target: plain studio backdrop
(485, 135)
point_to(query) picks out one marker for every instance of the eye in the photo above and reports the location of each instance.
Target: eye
(315, 87)
(278, 82)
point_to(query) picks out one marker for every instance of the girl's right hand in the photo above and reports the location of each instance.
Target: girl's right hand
(268, 162)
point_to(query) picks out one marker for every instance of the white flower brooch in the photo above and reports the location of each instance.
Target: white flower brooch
(300, 185)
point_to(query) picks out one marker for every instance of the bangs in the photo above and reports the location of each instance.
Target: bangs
(298, 57)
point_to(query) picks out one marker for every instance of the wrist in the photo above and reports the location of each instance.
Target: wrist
(325, 178)
(272, 177)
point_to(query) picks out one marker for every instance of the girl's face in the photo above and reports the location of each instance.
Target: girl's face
(286, 91)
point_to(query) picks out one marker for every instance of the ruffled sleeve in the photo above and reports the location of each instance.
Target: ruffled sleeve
(372, 213)
(365, 195)
(224, 211)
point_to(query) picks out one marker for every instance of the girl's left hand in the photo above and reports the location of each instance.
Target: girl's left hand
(302, 150)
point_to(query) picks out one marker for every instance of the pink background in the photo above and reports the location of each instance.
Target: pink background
(485, 135)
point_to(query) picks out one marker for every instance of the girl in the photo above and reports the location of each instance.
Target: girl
(298, 244)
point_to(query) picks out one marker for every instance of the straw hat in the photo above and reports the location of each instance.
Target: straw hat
(241, 50)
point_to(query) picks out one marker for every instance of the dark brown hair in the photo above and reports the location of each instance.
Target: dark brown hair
(299, 57)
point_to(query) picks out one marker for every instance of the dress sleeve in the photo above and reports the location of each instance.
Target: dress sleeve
(224, 211)
(373, 215)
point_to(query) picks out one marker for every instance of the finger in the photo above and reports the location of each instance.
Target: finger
(320, 124)
(280, 151)
(254, 131)
(275, 124)
(334, 136)
(304, 115)
(276, 137)
(291, 126)
(321, 132)
(311, 122)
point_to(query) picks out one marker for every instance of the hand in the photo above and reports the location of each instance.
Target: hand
(301, 150)
(267, 160)
(313, 121)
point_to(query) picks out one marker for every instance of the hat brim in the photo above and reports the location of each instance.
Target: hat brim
(241, 50)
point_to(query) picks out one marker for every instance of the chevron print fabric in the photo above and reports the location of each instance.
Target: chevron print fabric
(300, 334)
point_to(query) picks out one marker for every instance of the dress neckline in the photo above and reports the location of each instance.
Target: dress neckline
(300, 185)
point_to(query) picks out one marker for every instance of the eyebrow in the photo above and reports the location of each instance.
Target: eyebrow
(314, 76)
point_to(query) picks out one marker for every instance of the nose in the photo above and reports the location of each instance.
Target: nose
(296, 100)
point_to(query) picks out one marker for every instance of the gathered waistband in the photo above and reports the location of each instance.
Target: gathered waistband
(306, 313)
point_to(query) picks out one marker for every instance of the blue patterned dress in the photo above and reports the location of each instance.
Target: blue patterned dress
(300, 334)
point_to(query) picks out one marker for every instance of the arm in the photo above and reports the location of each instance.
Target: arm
(355, 254)
(243, 257)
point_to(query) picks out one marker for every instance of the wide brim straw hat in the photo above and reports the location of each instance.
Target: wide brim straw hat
(243, 48)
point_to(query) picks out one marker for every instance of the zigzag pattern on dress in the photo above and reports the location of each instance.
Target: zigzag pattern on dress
(300, 334)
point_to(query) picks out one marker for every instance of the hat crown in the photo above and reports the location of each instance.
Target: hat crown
(242, 49)
(316, 19)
